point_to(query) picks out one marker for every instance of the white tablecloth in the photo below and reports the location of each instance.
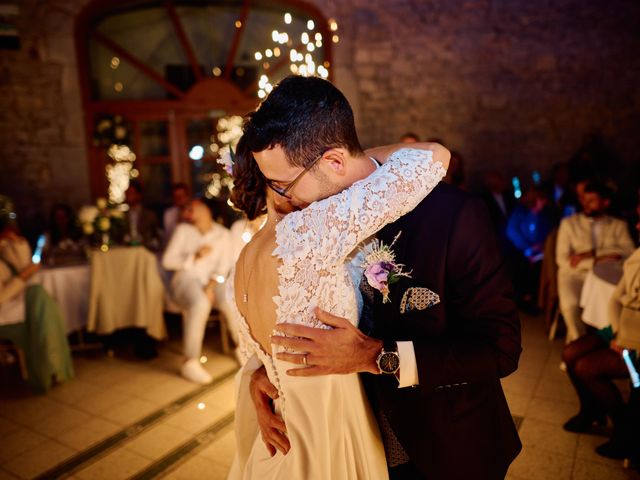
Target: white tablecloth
(69, 286)
(597, 291)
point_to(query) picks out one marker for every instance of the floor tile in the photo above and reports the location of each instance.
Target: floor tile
(89, 433)
(129, 411)
(584, 470)
(551, 411)
(4, 475)
(536, 464)
(7, 426)
(198, 468)
(120, 464)
(158, 441)
(222, 450)
(546, 436)
(39, 459)
(518, 404)
(64, 419)
(18, 442)
(74, 391)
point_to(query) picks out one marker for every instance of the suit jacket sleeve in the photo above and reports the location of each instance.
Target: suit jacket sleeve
(482, 339)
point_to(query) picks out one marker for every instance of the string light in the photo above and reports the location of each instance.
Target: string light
(217, 71)
(238, 24)
(301, 63)
(115, 62)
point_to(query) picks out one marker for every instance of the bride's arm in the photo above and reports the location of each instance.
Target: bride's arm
(333, 227)
(382, 153)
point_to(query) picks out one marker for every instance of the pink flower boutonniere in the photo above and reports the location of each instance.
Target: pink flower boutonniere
(380, 267)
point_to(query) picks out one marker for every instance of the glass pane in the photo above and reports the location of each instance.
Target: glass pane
(156, 178)
(154, 138)
(267, 39)
(115, 79)
(277, 42)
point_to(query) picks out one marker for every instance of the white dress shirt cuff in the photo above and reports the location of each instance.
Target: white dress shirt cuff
(408, 365)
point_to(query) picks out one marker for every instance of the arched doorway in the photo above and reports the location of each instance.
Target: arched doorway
(166, 78)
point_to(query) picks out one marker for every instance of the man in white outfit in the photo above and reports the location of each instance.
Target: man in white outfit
(180, 196)
(199, 254)
(586, 238)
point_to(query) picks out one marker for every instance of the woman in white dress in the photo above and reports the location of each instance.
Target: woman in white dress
(298, 262)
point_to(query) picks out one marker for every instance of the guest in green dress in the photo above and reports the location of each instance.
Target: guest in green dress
(29, 317)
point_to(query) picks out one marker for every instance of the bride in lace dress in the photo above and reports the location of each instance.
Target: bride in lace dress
(308, 259)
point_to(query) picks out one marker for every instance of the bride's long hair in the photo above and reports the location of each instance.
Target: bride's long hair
(249, 185)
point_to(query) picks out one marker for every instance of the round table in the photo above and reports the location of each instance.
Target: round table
(69, 287)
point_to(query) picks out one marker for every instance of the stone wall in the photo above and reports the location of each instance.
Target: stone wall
(510, 84)
(42, 144)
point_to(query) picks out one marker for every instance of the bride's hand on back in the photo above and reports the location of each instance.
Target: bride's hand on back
(272, 427)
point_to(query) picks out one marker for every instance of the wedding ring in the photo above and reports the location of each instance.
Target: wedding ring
(304, 359)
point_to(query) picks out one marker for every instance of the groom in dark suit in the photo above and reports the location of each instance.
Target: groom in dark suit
(455, 422)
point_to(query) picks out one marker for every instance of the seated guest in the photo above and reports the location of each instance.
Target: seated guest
(180, 196)
(63, 236)
(409, 137)
(594, 361)
(28, 315)
(584, 238)
(197, 253)
(141, 223)
(500, 202)
(528, 227)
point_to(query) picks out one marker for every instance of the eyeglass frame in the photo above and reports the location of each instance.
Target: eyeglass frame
(284, 191)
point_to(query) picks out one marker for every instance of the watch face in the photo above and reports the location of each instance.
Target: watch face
(389, 362)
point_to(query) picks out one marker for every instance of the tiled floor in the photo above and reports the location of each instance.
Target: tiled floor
(126, 419)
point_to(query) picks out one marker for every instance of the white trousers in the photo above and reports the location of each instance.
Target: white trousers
(188, 293)
(569, 290)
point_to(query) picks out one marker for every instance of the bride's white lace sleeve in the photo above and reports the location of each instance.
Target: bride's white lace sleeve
(333, 227)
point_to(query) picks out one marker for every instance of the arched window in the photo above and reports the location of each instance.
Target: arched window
(164, 81)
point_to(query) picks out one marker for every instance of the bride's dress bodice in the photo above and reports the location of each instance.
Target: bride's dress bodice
(330, 427)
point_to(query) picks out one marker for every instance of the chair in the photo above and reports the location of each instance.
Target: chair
(6, 346)
(548, 291)
(217, 316)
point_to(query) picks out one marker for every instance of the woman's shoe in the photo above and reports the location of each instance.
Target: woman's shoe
(612, 449)
(584, 423)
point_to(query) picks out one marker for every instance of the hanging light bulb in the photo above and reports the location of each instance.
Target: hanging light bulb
(287, 18)
(310, 25)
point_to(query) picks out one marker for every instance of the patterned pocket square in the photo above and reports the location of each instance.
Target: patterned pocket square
(418, 298)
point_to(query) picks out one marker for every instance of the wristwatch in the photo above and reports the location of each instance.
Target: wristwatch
(388, 360)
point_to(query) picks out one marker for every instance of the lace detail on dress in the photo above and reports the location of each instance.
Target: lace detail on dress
(313, 243)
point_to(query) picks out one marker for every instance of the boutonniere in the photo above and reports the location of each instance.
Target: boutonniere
(380, 267)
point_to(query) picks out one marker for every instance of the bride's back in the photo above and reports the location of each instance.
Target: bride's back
(256, 283)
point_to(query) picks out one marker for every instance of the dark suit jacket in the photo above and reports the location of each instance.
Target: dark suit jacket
(456, 424)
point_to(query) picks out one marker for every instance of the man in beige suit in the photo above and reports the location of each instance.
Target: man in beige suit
(583, 239)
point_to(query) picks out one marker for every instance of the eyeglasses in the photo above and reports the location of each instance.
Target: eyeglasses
(284, 191)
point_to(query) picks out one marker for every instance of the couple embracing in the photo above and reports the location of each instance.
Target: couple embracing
(376, 317)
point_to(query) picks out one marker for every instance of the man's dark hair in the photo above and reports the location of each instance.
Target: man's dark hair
(305, 116)
(179, 186)
(600, 188)
(137, 186)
